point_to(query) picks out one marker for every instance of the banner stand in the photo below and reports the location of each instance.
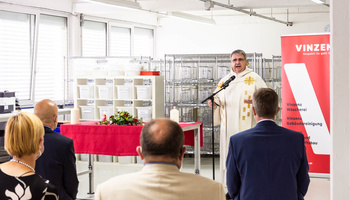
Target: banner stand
(306, 95)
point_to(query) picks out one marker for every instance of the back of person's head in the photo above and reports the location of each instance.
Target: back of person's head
(239, 52)
(46, 110)
(22, 134)
(162, 137)
(265, 102)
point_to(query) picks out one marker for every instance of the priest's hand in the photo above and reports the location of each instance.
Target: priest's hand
(248, 101)
(210, 104)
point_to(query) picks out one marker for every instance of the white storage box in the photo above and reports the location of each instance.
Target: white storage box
(83, 73)
(138, 160)
(124, 92)
(84, 157)
(145, 113)
(105, 91)
(107, 110)
(132, 73)
(86, 91)
(222, 71)
(144, 91)
(113, 73)
(127, 109)
(116, 69)
(105, 158)
(125, 159)
(87, 112)
(99, 73)
(133, 69)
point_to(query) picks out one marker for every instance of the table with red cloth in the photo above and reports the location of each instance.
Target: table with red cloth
(91, 138)
(113, 140)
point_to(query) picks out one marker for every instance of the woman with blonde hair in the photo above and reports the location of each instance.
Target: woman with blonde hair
(24, 141)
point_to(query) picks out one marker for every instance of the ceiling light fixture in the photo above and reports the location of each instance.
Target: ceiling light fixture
(194, 18)
(318, 1)
(251, 12)
(119, 3)
(208, 5)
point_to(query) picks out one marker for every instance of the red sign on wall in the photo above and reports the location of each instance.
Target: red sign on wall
(306, 94)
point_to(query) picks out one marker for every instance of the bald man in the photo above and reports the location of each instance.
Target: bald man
(57, 163)
(162, 153)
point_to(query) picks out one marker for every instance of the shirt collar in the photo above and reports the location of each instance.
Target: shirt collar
(266, 120)
(48, 127)
(164, 163)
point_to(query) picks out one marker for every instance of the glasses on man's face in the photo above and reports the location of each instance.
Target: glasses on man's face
(239, 60)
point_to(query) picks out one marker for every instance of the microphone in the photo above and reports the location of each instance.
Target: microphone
(225, 85)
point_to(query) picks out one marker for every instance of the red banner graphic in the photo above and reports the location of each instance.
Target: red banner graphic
(306, 94)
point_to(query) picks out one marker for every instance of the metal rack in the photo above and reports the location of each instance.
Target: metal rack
(272, 76)
(190, 78)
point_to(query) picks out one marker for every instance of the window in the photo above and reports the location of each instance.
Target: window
(16, 35)
(52, 49)
(143, 42)
(120, 42)
(46, 79)
(94, 39)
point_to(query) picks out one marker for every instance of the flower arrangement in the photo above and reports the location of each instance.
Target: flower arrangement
(120, 118)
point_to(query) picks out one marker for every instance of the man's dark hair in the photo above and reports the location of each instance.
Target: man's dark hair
(265, 102)
(239, 52)
(169, 144)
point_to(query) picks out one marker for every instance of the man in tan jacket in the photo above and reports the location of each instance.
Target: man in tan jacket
(162, 152)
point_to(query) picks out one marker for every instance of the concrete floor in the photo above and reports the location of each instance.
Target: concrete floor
(319, 188)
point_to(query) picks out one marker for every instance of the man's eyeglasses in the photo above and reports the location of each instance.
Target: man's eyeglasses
(239, 59)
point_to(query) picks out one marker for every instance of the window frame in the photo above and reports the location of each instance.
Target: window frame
(73, 32)
(119, 25)
(33, 44)
(63, 67)
(35, 13)
(123, 24)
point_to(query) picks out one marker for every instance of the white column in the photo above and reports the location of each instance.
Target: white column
(340, 104)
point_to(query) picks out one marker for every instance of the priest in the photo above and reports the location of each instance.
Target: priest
(233, 106)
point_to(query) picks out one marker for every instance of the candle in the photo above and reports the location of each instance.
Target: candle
(74, 116)
(174, 114)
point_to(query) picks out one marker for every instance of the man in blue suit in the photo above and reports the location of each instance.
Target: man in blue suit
(267, 162)
(57, 163)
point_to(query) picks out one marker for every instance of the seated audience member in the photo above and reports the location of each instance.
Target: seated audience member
(162, 152)
(24, 141)
(267, 162)
(57, 164)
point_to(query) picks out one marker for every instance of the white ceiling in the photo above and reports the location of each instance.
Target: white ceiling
(261, 8)
(198, 5)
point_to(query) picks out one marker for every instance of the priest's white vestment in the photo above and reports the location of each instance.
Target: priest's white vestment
(233, 114)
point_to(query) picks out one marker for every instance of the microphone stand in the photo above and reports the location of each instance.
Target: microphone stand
(211, 97)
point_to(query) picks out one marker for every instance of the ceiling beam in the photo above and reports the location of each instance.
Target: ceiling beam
(250, 13)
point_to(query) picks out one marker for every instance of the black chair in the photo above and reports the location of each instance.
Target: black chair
(4, 156)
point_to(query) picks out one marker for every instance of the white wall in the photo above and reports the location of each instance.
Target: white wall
(120, 14)
(340, 97)
(252, 34)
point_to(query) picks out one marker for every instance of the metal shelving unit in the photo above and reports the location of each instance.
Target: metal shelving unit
(272, 76)
(190, 78)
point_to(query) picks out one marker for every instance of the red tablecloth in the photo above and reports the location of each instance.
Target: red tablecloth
(90, 138)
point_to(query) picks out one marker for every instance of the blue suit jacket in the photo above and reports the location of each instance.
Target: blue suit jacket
(267, 162)
(57, 164)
